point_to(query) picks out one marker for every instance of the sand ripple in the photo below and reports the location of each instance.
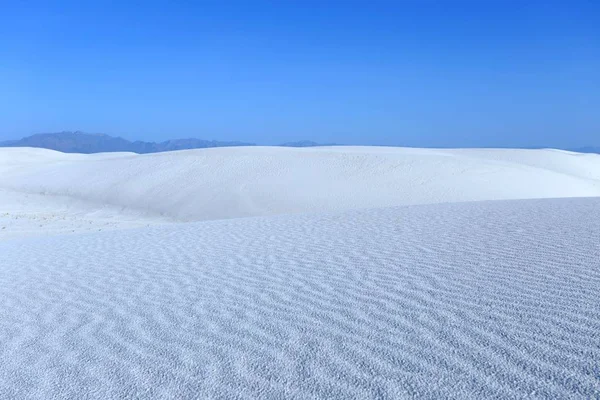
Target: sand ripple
(471, 300)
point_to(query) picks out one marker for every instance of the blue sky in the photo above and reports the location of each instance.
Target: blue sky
(417, 73)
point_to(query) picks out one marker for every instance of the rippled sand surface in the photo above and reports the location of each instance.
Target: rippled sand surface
(469, 300)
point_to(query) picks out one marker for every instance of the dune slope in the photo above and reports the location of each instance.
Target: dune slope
(469, 300)
(252, 181)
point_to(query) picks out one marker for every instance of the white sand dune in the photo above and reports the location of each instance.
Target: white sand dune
(47, 192)
(28, 214)
(355, 298)
(468, 300)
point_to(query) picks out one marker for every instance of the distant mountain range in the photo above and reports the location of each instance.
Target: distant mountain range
(80, 142)
(588, 149)
(306, 143)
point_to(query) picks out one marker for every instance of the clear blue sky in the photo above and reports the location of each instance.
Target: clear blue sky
(418, 73)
